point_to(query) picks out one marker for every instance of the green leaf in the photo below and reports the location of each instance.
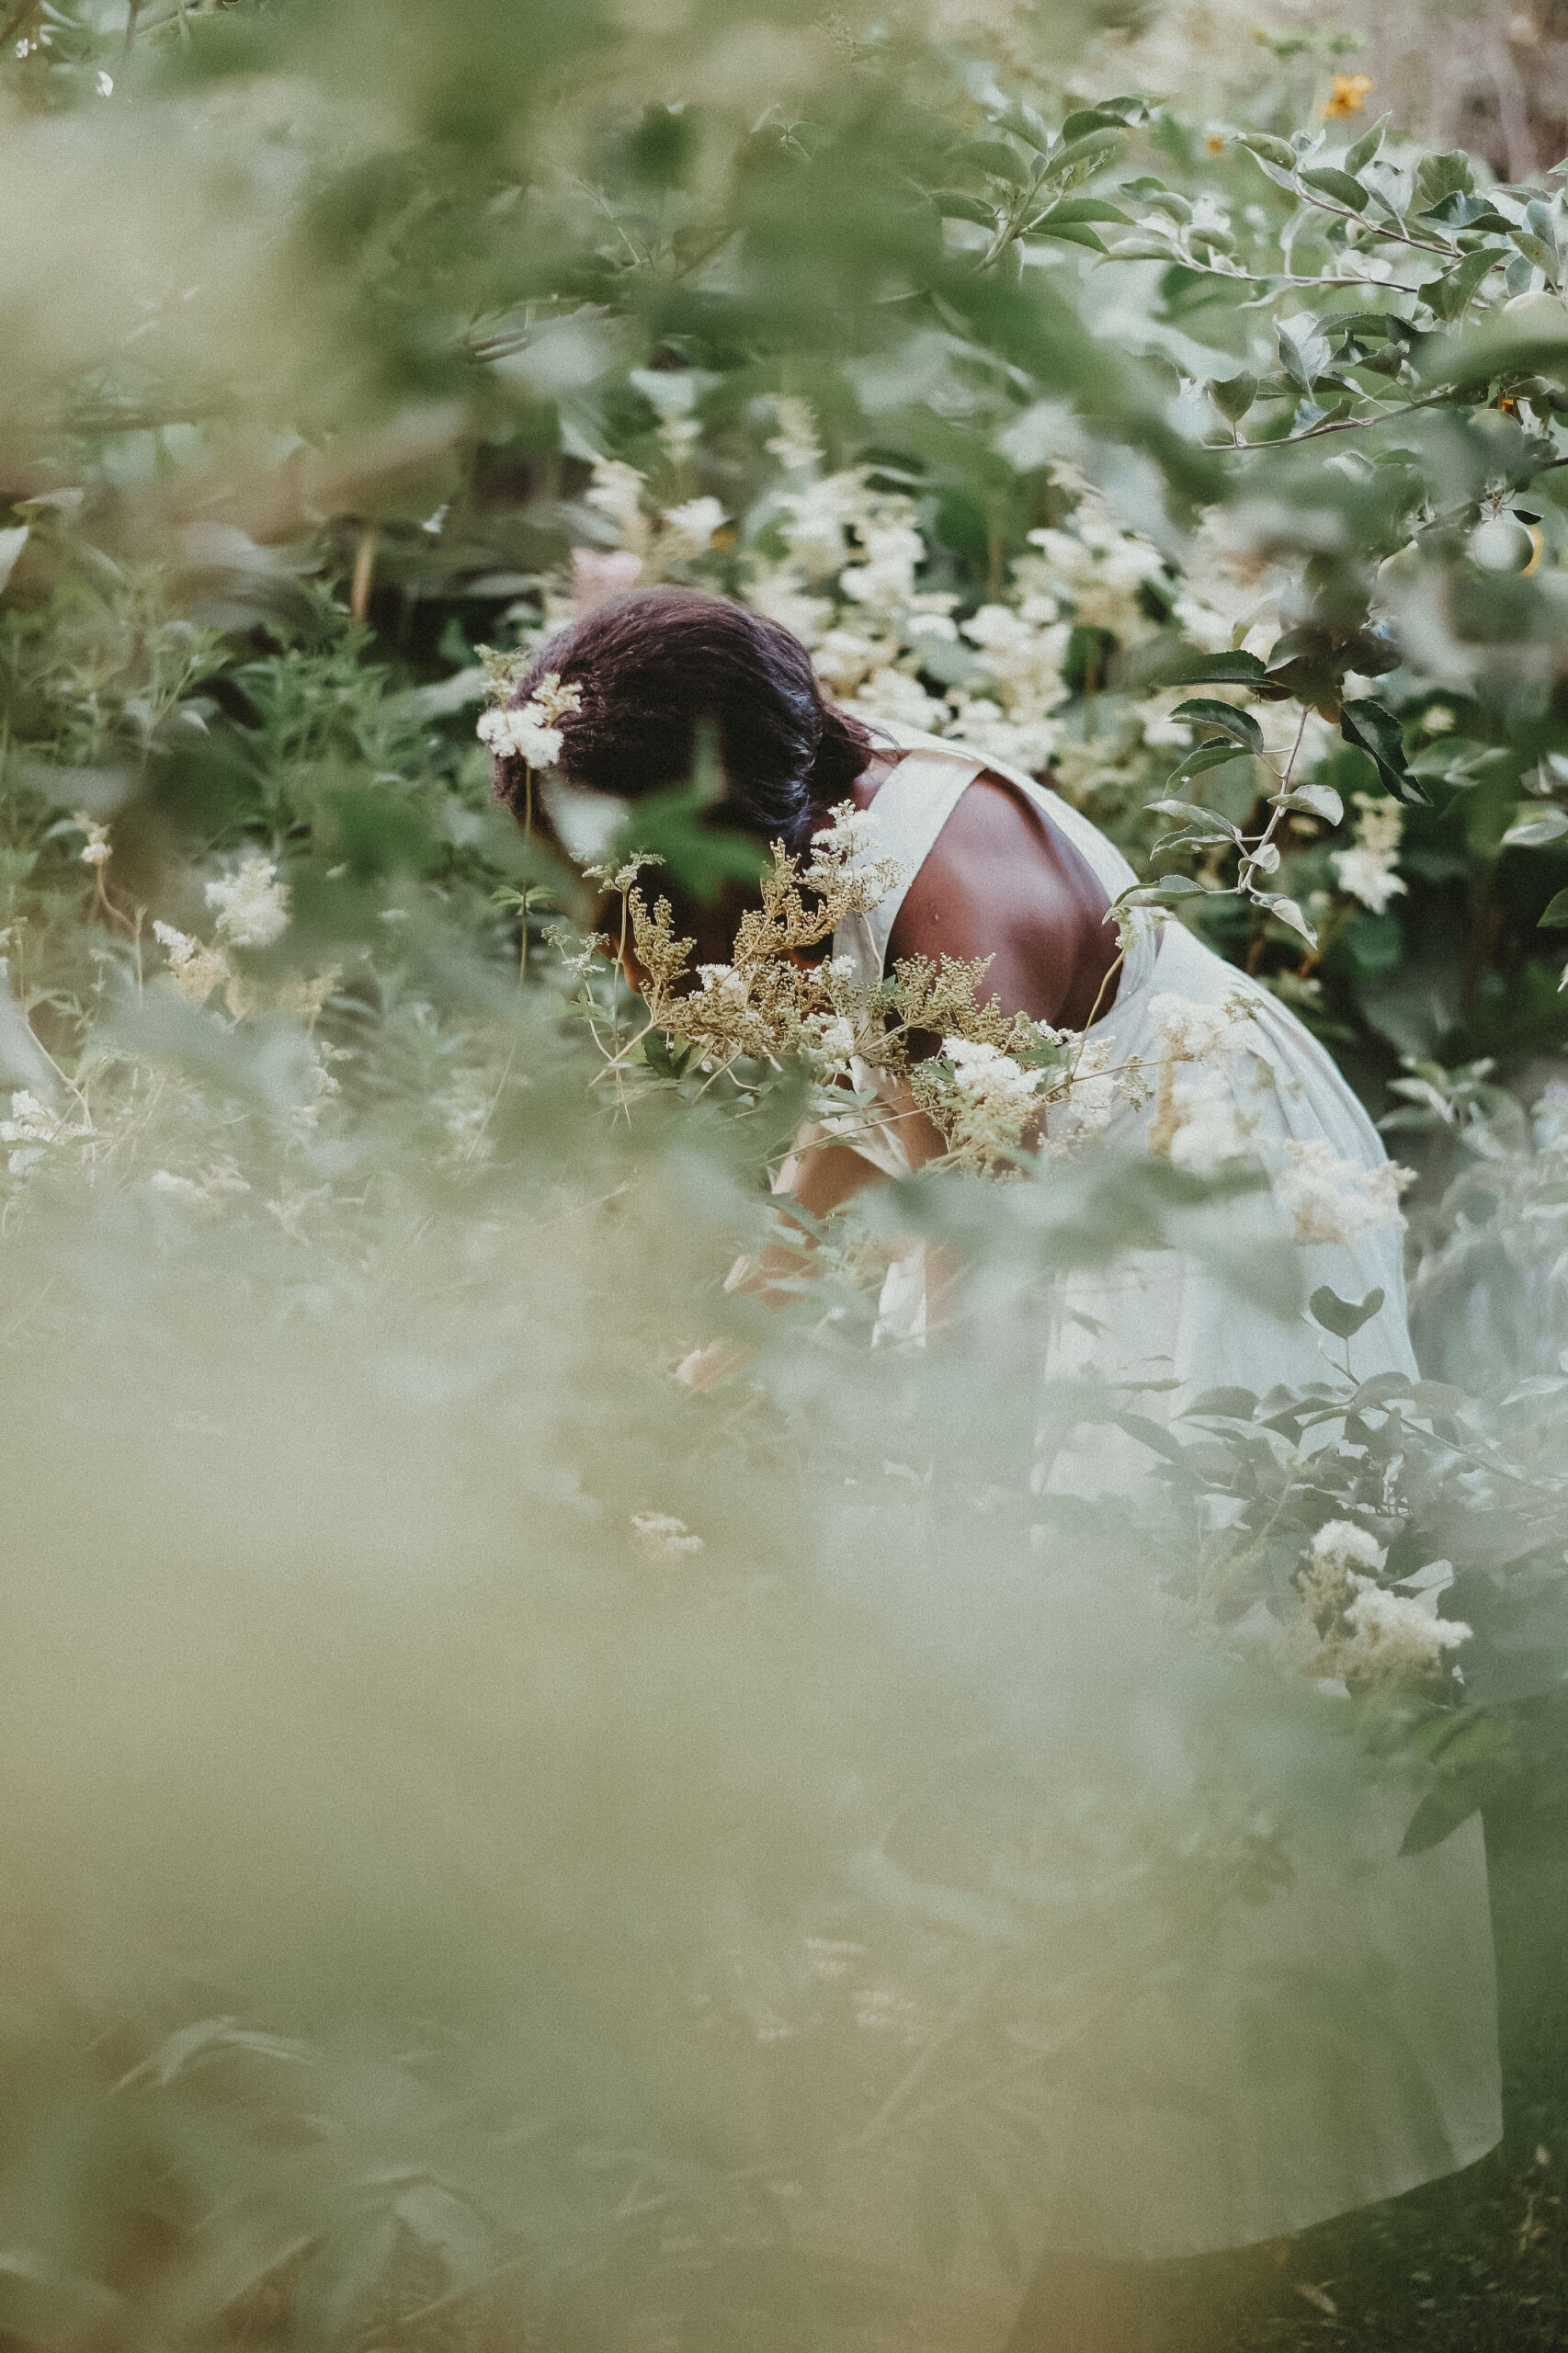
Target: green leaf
(1269, 149)
(1343, 1317)
(1555, 917)
(1286, 911)
(1328, 181)
(1228, 1404)
(1215, 829)
(1025, 124)
(1357, 157)
(1472, 1756)
(1088, 118)
(1450, 295)
(1211, 670)
(1317, 799)
(1087, 207)
(1533, 827)
(1071, 233)
(1239, 724)
(955, 204)
(1440, 175)
(1373, 729)
(998, 162)
(1206, 757)
(1232, 395)
(1303, 357)
(1082, 158)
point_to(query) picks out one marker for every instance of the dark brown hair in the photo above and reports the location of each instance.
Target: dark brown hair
(654, 667)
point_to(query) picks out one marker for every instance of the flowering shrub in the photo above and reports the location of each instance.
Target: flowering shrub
(454, 1700)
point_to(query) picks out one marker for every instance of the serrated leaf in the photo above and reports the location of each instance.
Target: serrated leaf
(1357, 157)
(1318, 799)
(1343, 1317)
(1330, 181)
(1534, 827)
(1240, 724)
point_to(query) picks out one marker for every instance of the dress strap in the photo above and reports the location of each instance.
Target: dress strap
(910, 810)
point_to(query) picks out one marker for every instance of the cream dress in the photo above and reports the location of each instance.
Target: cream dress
(1185, 2140)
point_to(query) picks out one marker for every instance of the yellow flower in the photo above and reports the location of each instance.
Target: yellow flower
(1213, 144)
(1348, 96)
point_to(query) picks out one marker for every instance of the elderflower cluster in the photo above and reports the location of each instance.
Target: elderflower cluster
(32, 1129)
(1367, 869)
(1334, 1201)
(532, 732)
(1357, 1631)
(252, 904)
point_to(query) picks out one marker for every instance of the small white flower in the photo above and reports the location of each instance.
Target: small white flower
(795, 443)
(851, 833)
(516, 734)
(1190, 1030)
(689, 530)
(251, 903)
(195, 969)
(97, 851)
(1340, 1544)
(1333, 1201)
(1367, 869)
(660, 1537)
(1398, 1637)
(1213, 1132)
(617, 493)
(550, 702)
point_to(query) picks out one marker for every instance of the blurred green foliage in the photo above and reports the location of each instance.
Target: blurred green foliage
(425, 1869)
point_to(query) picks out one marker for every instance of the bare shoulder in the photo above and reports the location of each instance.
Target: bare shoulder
(1000, 883)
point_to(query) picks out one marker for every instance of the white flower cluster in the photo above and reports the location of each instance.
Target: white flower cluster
(1333, 1201)
(195, 969)
(659, 1536)
(251, 903)
(1366, 1632)
(1368, 869)
(532, 732)
(32, 1129)
(96, 851)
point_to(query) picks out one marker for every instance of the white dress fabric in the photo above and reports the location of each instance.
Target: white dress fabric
(1397, 2083)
